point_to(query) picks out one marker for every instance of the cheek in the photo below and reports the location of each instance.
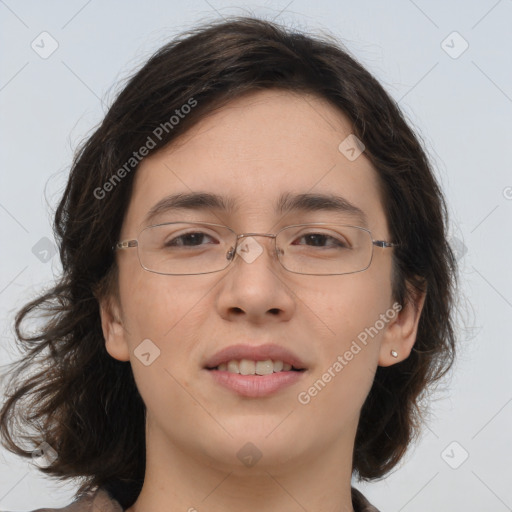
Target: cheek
(161, 314)
(156, 305)
(350, 310)
(342, 379)
(168, 311)
(344, 306)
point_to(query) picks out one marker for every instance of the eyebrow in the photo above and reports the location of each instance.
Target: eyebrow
(287, 203)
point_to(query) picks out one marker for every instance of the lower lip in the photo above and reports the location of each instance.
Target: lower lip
(255, 385)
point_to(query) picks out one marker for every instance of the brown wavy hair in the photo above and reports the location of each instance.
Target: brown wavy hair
(83, 402)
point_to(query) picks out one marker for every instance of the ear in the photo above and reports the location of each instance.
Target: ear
(114, 332)
(400, 334)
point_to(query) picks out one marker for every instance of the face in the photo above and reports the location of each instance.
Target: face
(252, 152)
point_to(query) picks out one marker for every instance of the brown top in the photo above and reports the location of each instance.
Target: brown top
(101, 501)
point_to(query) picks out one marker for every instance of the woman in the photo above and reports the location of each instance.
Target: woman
(257, 287)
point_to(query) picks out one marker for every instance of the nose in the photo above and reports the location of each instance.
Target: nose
(255, 288)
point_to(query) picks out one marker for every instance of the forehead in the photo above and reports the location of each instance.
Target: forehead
(253, 151)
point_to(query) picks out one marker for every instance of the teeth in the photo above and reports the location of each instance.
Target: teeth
(264, 367)
(248, 367)
(233, 367)
(278, 366)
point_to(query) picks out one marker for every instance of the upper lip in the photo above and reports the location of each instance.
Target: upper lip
(254, 353)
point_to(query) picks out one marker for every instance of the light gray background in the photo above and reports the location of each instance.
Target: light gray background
(460, 106)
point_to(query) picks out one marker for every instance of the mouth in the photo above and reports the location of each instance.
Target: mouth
(255, 360)
(252, 367)
(255, 371)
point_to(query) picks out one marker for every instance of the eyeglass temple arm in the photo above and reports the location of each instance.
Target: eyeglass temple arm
(383, 243)
(126, 244)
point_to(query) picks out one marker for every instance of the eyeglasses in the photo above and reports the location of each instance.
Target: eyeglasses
(191, 248)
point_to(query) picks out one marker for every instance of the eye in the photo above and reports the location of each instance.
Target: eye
(322, 240)
(194, 239)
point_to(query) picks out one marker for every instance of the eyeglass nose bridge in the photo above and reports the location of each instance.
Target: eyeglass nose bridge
(231, 253)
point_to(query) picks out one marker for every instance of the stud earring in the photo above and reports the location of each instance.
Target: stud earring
(394, 354)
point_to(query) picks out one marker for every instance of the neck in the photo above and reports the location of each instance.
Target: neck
(180, 479)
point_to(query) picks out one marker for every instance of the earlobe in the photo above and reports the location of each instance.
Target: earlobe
(400, 335)
(114, 332)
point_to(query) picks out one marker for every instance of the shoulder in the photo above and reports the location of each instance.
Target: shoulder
(98, 501)
(360, 503)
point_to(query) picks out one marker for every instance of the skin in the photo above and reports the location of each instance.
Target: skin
(252, 150)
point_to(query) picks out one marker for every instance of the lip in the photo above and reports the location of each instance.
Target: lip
(255, 353)
(255, 386)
